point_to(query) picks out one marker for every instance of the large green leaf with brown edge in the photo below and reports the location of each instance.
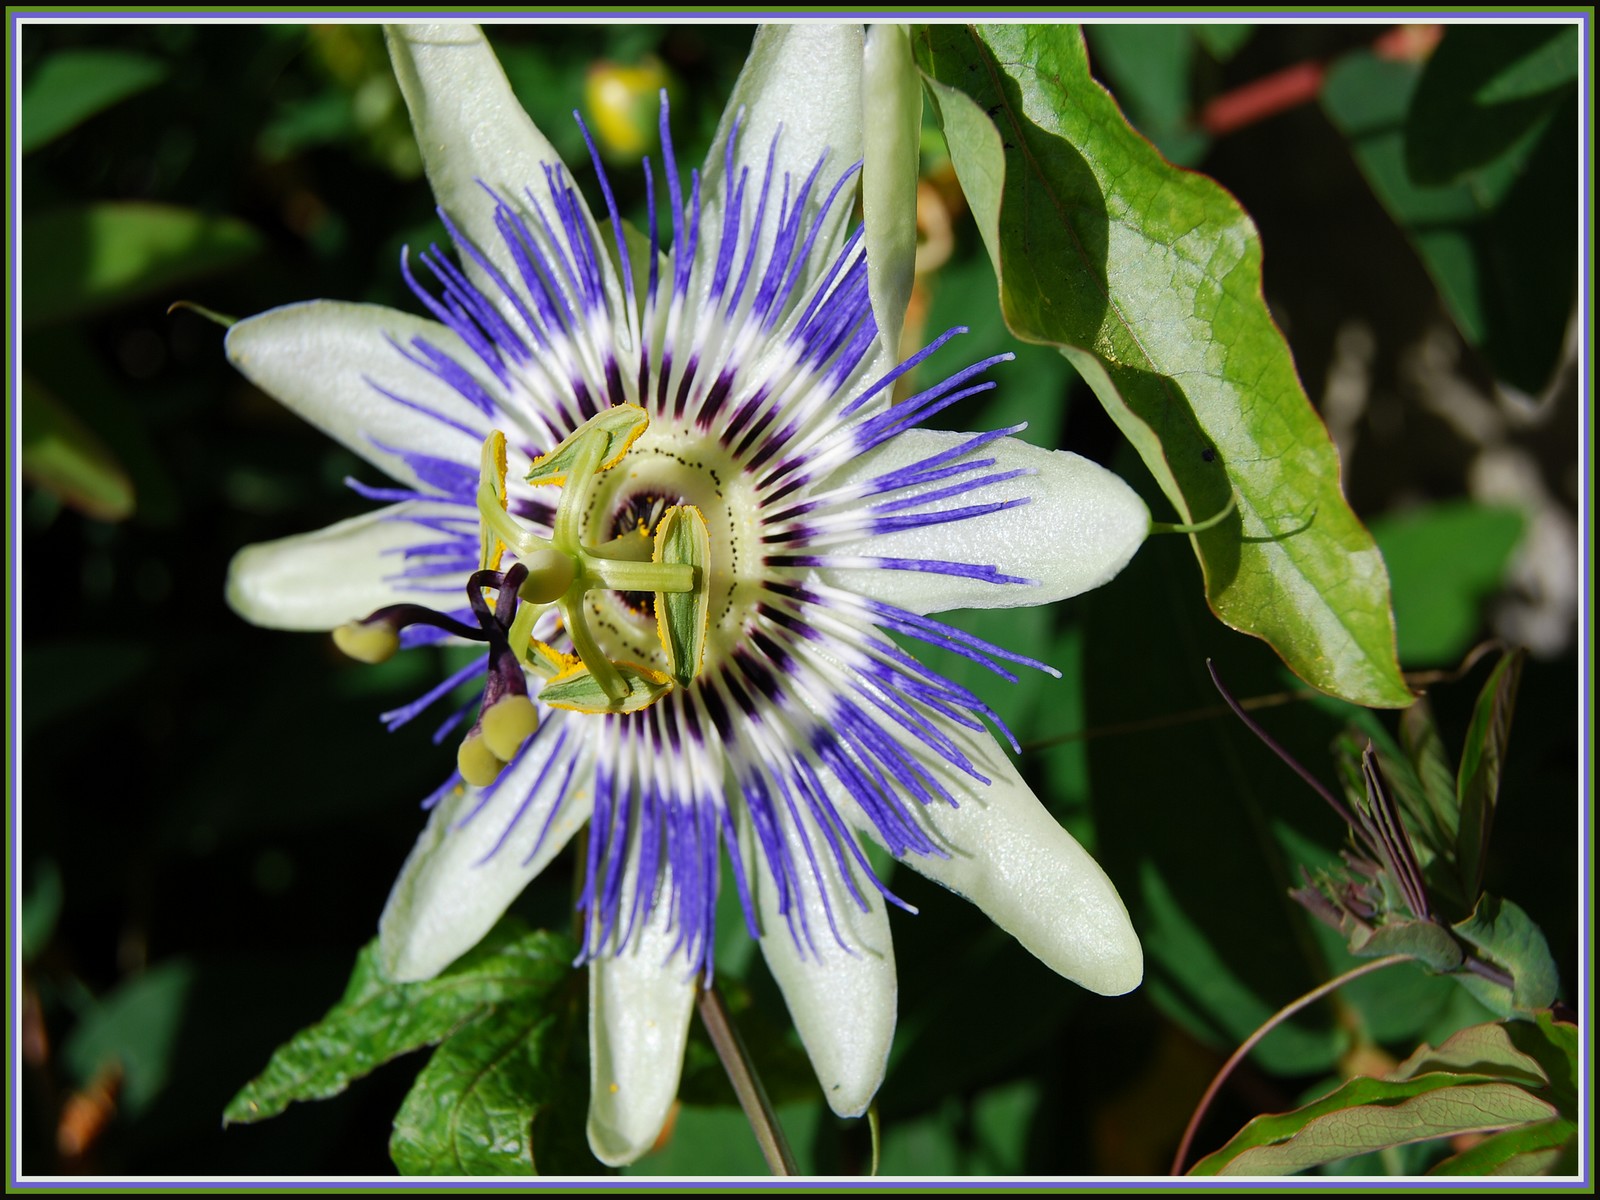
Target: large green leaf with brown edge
(1148, 279)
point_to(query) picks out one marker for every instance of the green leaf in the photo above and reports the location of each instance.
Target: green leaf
(1222, 42)
(1484, 90)
(1420, 738)
(101, 255)
(377, 1020)
(1506, 936)
(984, 1133)
(1545, 1048)
(472, 1108)
(1501, 243)
(1478, 779)
(1444, 561)
(41, 908)
(1485, 1049)
(138, 1027)
(1422, 940)
(63, 456)
(1537, 1149)
(71, 86)
(1373, 1114)
(1148, 65)
(1554, 1045)
(1435, 853)
(67, 360)
(1148, 279)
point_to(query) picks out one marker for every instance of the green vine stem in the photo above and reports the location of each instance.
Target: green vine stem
(747, 1087)
(1271, 1023)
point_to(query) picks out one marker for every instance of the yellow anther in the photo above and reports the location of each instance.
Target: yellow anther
(373, 643)
(508, 723)
(478, 764)
(578, 690)
(492, 476)
(615, 429)
(550, 573)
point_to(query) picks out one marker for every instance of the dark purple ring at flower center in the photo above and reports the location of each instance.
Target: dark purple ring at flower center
(639, 513)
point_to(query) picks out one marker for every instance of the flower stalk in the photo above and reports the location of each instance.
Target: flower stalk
(746, 1081)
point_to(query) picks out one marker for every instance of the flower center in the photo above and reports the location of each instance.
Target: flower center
(615, 541)
(666, 468)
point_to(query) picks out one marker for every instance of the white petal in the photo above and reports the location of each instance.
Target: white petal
(473, 133)
(639, 1007)
(318, 581)
(892, 92)
(321, 359)
(1008, 856)
(806, 78)
(842, 1001)
(1079, 528)
(457, 883)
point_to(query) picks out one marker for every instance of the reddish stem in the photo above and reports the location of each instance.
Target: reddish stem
(1263, 98)
(1299, 84)
(1271, 1023)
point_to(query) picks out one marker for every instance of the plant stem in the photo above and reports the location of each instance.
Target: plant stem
(746, 1083)
(1271, 1023)
(1254, 727)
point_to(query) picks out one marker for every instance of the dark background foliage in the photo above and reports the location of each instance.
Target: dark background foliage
(199, 873)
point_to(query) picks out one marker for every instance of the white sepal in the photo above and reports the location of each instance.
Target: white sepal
(1079, 527)
(318, 581)
(807, 79)
(474, 135)
(321, 360)
(1011, 858)
(471, 862)
(842, 997)
(640, 1002)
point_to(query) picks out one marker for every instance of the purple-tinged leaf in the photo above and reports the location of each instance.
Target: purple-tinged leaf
(1482, 758)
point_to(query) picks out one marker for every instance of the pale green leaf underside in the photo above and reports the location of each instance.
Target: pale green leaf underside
(1372, 1114)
